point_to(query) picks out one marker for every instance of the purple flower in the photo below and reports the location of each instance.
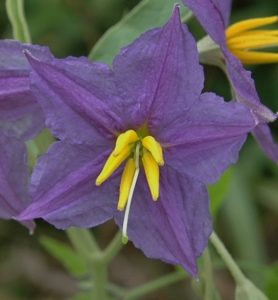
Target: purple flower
(144, 129)
(20, 115)
(14, 179)
(21, 119)
(214, 17)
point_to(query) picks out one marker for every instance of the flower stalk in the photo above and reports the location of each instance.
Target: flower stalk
(85, 244)
(15, 11)
(209, 290)
(98, 260)
(227, 258)
(154, 285)
(113, 248)
(83, 241)
(99, 269)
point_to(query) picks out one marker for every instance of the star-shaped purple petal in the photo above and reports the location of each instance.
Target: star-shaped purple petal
(14, 179)
(155, 83)
(20, 115)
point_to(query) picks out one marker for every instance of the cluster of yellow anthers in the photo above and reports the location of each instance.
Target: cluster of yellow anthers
(131, 146)
(247, 43)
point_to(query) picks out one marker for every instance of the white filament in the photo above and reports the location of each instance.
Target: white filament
(130, 195)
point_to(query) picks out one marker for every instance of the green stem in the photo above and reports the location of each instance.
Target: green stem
(227, 258)
(185, 18)
(154, 285)
(113, 248)
(111, 288)
(208, 274)
(116, 291)
(83, 242)
(15, 11)
(99, 280)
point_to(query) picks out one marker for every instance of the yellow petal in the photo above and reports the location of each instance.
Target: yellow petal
(256, 57)
(124, 139)
(249, 24)
(155, 148)
(152, 173)
(112, 163)
(126, 182)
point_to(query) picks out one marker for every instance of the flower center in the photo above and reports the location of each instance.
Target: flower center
(131, 146)
(244, 40)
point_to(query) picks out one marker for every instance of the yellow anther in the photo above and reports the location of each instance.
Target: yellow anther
(243, 26)
(256, 57)
(252, 42)
(126, 181)
(155, 149)
(152, 173)
(255, 33)
(246, 43)
(112, 163)
(125, 139)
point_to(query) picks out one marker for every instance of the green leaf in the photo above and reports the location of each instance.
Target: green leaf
(271, 284)
(75, 264)
(219, 190)
(146, 15)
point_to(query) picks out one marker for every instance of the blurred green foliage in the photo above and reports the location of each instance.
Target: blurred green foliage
(74, 264)
(148, 14)
(219, 191)
(271, 281)
(39, 146)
